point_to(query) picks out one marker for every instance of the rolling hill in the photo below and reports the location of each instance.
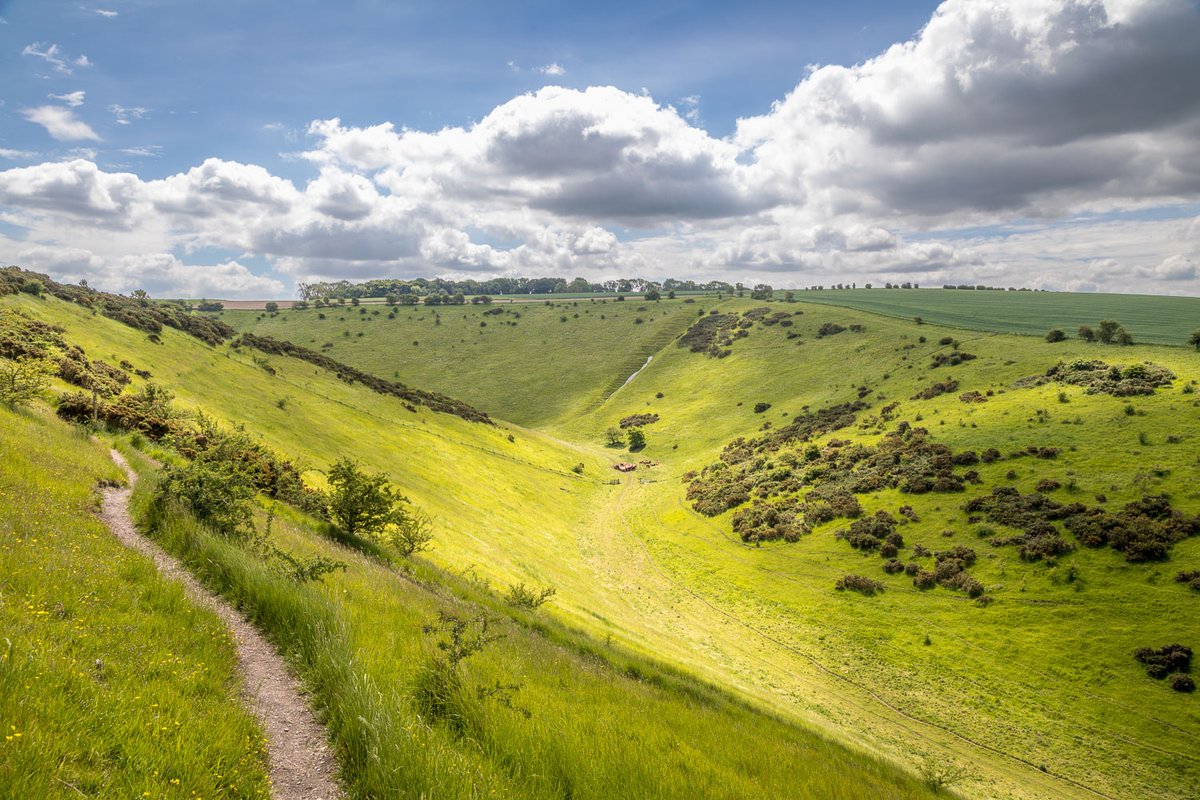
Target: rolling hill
(775, 433)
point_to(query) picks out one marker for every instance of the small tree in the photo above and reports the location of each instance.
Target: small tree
(612, 436)
(1108, 331)
(1055, 335)
(22, 380)
(412, 535)
(271, 307)
(1086, 333)
(652, 294)
(1194, 341)
(362, 504)
(637, 439)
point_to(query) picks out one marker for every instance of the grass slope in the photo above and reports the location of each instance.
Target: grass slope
(524, 502)
(112, 684)
(550, 362)
(1036, 695)
(1149, 318)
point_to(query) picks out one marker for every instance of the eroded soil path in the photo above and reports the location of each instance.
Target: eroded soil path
(301, 767)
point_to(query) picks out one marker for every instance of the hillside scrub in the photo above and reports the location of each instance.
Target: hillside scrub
(1143, 530)
(1099, 377)
(140, 313)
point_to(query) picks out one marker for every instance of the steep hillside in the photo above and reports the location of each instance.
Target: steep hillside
(502, 498)
(528, 363)
(775, 434)
(112, 682)
(767, 619)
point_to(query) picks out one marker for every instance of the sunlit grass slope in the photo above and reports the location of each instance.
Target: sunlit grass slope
(1149, 318)
(1039, 691)
(112, 684)
(599, 724)
(529, 363)
(1036, 695)
(505, 510)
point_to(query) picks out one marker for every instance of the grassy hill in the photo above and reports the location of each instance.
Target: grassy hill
(1149, 318)
(358, 637)
(528, 363)
(1036, 694)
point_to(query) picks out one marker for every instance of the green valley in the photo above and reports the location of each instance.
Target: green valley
(1006, 519)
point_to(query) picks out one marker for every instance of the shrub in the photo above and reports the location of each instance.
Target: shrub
(521, 596)
(215, 486)
(637, 439)
(829, 329)
(859, 583)
(761, 407)
(22, 380)
(1055, 335)
(1183, 683)
(1162, 661)
(362, 504)
(1190, 577)
(924, 579)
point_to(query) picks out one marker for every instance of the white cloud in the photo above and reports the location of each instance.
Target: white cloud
(52, 55)
(103, 12)
(7, 152)
(144, 151)
(553, 68)
(60, 123)
(126, 115)
(73, 99)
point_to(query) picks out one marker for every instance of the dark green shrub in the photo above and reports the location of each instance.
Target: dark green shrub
(859, 583)
(1162, 661)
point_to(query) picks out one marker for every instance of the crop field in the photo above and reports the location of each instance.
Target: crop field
(1149, 318)
(683, 574)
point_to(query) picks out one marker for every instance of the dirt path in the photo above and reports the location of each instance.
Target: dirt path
(301, 767)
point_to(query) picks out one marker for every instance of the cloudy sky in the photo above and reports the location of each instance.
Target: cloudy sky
(233, 149)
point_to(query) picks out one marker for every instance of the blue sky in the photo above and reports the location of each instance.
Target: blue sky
(236, 148)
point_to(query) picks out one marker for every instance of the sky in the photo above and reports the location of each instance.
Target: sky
(232, 149)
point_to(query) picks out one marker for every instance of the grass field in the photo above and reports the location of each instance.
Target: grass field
(1149, 318)
(1036, 695)
(112, 684)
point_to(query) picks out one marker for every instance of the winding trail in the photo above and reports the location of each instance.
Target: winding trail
(300, 765)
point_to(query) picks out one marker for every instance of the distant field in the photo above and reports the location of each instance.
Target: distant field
(1151, 319)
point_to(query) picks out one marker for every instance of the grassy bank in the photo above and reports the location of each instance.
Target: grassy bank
(112, 684)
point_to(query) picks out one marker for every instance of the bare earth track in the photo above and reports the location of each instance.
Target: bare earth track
(301, 767)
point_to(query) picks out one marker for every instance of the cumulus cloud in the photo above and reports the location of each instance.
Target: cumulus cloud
(913, 164)
(553, 69)
(995, 108)
(61, 123)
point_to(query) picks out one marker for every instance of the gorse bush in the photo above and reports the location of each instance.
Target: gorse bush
(859, 583)
(1162, 661)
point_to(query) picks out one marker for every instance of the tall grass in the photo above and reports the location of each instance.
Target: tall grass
(358, 641)
(112, 683)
